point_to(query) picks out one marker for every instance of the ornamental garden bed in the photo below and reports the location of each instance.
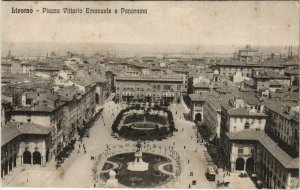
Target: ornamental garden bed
(139, 179)
(156, 123)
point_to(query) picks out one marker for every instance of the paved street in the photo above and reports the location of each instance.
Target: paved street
(77, 169)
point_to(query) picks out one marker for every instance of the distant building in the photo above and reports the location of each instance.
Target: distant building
(27, 68)
(5, 68)
(270, 81)
(247, 54)
(294, 75)
(149, 88)
(197, 106)
(229, 68)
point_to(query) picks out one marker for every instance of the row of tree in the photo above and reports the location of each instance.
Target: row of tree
(156, 107)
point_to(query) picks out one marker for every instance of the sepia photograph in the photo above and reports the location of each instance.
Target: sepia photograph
(148, 94)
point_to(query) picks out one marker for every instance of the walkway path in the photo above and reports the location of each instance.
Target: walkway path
(161, 169)
(115, 166)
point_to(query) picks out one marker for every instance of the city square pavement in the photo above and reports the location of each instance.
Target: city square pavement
(77, 169)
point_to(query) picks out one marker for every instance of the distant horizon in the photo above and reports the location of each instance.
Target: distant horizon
(137, 48)
(156, 44)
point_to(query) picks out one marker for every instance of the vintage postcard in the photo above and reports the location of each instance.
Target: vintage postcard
(148, 94)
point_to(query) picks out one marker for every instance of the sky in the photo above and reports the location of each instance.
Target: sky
(205, 23)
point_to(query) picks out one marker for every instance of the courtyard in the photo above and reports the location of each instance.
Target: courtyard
(78, 168)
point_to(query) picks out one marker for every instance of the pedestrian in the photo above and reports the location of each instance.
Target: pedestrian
(27, 180)
(84, 151)
(94, 185)
(189, 186)
(196, 150)
(188, 161)
(78, 151)
(183, 147)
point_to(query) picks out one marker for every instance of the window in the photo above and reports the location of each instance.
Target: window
(247, 125)
(240, 150)
(167, 87)
(28, 101)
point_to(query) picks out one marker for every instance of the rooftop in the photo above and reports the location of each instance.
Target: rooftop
(269, 64)
(37, 108)
(151, 77)
(249, 98)
(271, 76)
(13, 129)
(214, 101)
(249, 82)
(280, 108)
(201, 85)
(197, 97)
(244, 112)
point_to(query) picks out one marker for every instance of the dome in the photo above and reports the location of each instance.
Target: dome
(216, 72)
(112, 173)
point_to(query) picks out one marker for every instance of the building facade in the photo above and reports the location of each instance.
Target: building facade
(283, 123)
(24, 144)
(164, 89)
(197, 102)
(255, 152)
(212, 115)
